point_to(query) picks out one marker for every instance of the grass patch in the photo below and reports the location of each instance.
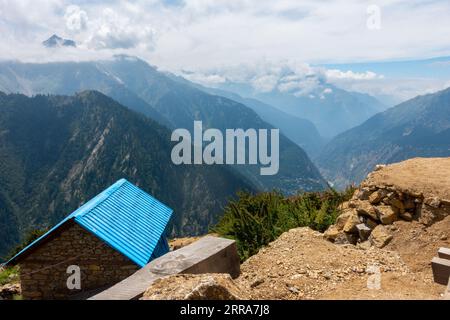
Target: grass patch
(256, 220)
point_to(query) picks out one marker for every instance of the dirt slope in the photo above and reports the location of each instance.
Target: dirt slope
(427, 176)
(302, 265)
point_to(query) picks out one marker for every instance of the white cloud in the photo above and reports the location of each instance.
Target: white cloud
(265, 83)
(203, 35)
(114, 31)
(76, 19)
(334, 74)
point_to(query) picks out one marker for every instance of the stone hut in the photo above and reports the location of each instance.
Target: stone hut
(106, 240)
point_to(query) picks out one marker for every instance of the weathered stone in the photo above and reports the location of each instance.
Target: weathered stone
(407, 216)
(366, 209)
(363, 194)
(346, 238)
(409, 204)
(353, 204)
(365, 245)
(433, 202)
(194, 287)
(370, 223)
(377, 196)
(387, 214)
(428, 215)
(331, 233)
(396, 203)
(342, 219)
(363, 231)
(380, 237)
(8, 291)
(352, 222)
(344, 206)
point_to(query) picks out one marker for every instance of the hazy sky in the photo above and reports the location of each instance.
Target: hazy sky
(205, 35)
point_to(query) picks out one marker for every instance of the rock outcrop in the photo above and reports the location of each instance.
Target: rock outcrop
(416, 189)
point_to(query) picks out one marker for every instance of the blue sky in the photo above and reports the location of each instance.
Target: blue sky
(213, 38)
(437, 68)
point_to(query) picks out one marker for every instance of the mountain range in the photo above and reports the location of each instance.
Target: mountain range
(419, 127)
(300, 131)
(331, 109)
(175, 104)
(57, 152)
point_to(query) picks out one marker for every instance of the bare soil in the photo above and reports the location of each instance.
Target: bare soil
(427, 176)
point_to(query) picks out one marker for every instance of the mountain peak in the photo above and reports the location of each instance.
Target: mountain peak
(56, 41)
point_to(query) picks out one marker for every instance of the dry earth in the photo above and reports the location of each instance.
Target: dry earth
(427, 176)
(302, 264)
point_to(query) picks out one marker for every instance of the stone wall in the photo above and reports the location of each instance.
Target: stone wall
(366, 218)
(43, 272)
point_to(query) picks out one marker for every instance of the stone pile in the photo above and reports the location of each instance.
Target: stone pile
(9, 291)
(367, 217)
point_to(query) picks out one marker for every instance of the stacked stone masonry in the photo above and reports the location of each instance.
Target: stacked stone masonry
(366, 218)
(43, 272)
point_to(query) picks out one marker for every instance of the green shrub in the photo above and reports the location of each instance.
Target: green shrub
(256, 220)
(9, 275)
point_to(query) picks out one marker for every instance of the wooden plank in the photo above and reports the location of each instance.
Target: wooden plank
(208, 255)
(441, 270)
(444, 253)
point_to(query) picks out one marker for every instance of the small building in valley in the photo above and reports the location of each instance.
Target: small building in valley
(104, 241)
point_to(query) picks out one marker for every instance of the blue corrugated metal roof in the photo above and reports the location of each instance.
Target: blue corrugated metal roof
(125, 217)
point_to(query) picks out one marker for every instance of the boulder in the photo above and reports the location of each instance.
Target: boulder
(433, 202)
(342, 219)
(366, 209)
(364, 245)
(387, 214)
(351, 223)
(407, 216)
(396, 203)
(331, 233)
(363, 231)
(370, 223)
(377, 196)
(194, 287)
(362, 194)
(380, 237)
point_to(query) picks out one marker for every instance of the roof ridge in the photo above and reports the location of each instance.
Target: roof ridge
(98, 199)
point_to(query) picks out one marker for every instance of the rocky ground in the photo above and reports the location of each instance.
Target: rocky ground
(380, 247)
